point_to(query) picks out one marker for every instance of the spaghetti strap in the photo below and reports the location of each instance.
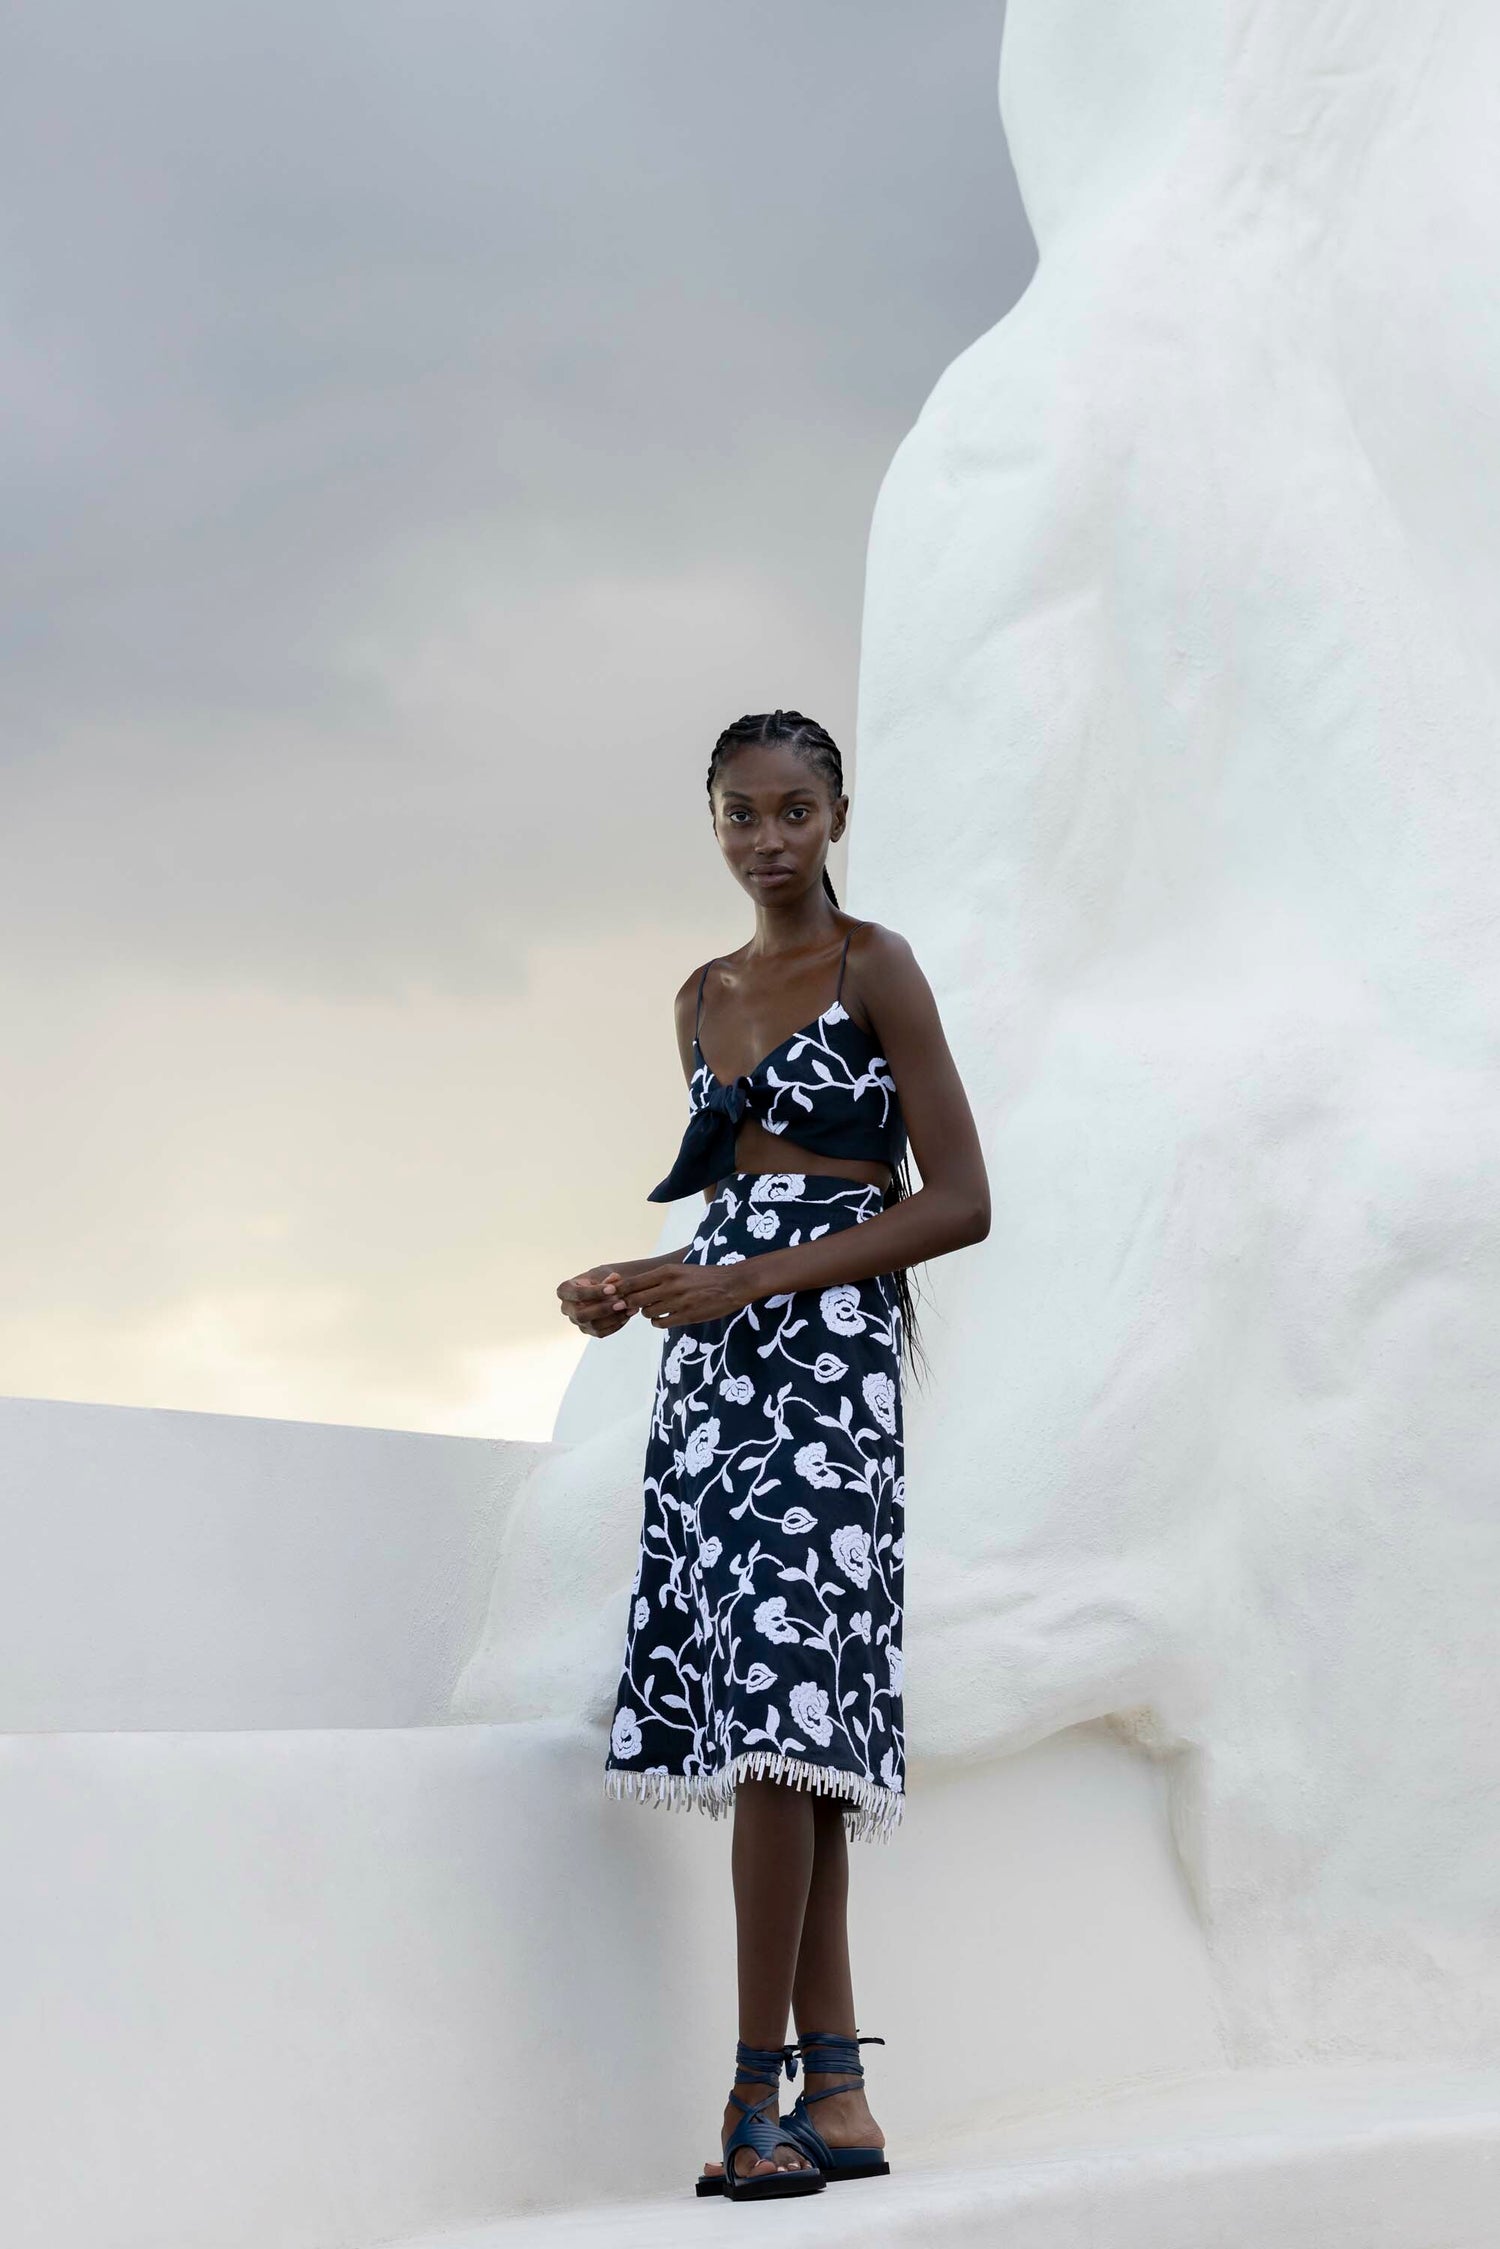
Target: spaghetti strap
(843, 964)
(703, 979)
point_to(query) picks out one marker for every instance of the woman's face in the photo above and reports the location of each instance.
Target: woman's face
(775, 818)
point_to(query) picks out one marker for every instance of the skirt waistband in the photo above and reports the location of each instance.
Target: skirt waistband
(772, 1188)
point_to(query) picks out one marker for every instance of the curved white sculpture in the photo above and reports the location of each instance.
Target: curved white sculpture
(1177, 765)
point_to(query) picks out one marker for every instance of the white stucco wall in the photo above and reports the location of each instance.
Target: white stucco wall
(187, 1570)
(1178, 712)
(1178, 716)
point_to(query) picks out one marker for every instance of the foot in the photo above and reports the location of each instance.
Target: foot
(785, 2156)
(844, 2119)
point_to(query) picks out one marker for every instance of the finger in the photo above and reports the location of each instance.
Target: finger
(649, 1289)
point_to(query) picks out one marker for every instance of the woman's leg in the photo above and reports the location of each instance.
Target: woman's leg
(772, 1861)
(823, 1986)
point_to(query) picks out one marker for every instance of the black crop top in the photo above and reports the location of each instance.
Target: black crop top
(825, 1086)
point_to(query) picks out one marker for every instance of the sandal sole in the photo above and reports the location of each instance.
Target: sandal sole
(760, 2189)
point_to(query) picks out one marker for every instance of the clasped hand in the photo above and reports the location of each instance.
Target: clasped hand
(669, 1295)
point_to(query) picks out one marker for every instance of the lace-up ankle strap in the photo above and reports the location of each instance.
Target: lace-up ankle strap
(833, 2053)
(763, 2065)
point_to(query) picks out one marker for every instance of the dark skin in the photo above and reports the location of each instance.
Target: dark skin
(774, 817)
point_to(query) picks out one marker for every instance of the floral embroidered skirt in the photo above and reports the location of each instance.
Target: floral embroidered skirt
(764, 1632)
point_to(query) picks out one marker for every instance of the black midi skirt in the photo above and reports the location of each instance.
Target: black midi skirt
(763, 1638)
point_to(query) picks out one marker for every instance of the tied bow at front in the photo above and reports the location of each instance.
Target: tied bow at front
(707, 1152)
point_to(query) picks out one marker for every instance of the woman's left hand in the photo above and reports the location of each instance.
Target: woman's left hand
(680, 1296)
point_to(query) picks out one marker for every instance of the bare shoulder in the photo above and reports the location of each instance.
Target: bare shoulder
(887, 986)
(881, 958)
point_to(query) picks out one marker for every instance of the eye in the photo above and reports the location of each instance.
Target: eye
(797, 812)
(737, 812)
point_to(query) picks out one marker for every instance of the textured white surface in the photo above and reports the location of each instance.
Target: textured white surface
(197, 1569)
(1178, 767)
(318, 1988)
(1286, 2159)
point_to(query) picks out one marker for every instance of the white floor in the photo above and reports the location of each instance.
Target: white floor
(291, 1963)
(1355, 2158)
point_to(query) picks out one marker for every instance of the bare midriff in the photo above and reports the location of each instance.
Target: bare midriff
(755, 1149)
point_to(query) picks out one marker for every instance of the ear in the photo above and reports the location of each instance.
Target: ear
(840, 819)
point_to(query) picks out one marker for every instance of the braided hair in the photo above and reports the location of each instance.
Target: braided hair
(818, 748)
(804, 735)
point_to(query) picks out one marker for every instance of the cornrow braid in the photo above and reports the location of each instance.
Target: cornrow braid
(818, 747)
(804, 735)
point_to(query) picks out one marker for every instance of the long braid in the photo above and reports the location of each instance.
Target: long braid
(818, 747)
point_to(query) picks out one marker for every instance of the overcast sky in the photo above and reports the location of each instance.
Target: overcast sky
(426, 427)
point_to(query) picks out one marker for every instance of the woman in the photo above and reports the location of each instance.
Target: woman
(763, 1650)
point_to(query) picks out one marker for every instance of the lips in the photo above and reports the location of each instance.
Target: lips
(770, 874)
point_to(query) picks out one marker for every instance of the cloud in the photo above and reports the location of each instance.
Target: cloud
(428, 428)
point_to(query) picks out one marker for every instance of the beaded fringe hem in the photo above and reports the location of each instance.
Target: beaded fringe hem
(873, 1811)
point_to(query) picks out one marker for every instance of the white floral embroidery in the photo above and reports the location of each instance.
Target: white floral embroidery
(811, 1463)
(672, 1365)
(880, 1397)
(748, 1412)
(778, 1186)
(772, 1622)
(625, 1734)
(840, 1309)
(809, 1708)
(897, 1662)
(700, 1446)
(850, 1548)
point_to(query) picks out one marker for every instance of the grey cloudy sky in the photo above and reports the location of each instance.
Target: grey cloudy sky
(427, 426)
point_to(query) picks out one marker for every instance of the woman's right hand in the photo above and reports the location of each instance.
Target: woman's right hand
(585, 1303)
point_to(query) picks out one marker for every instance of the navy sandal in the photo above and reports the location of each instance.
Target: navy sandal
(761, 2065)
(829, 2051)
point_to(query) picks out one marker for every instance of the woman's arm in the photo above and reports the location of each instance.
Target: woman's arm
(948, 1211)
